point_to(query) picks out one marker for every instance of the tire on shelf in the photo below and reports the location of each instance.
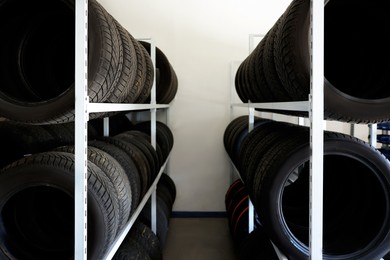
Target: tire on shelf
(137, 157)
(166, 86)
(19, 140)
(355, 83)
(118, 181)
(149, 76)
(37, 208)
(164, 136)
(356, 188)
(125, 89)
(146, 149)
(140, 74)
(37, 78)
(274, 83)
(167, 181)
(291, 50)
(128, 165)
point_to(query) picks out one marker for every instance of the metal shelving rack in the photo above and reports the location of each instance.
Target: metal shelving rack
(315, 107)
(82, 110)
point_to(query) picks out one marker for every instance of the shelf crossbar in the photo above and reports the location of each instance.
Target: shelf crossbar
(110, 107)
(303, 106)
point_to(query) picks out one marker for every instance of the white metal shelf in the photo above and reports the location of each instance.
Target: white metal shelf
(82, 109)
(315, 107)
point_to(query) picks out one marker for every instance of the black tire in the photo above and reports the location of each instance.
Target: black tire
(239, 136)
(147, 239)
(356, 188)
(140, 73)
(291, 53)
(131, 250)
(257, 245)
(229, 131)
(164, 136)
(19, 140)
(125, 88)
(162, 222)
(356, 83)
(145, 151)
(167, 83)
(145, 148)
(263, 92)
(149, 77)
(137, 157)
(37, 208)
(167, 181)
(118, 181)
(147, 138)
(270, 72)
(128, 165)
(28, 96)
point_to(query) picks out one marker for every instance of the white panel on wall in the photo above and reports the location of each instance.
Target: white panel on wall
(200, 38)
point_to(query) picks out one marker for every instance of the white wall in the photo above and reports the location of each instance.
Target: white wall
(200, 38)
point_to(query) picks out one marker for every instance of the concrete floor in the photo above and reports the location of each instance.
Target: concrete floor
(198, 239)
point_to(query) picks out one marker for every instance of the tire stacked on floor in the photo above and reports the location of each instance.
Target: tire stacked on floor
(37, 66)
(37, 187)
(355, 83)
(140, 243)
(253, 245)
(165, 197)
(275, 158)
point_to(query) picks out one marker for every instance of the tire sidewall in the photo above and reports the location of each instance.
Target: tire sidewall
(274, 221)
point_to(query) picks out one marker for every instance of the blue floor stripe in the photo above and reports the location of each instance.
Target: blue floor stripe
(198, 214)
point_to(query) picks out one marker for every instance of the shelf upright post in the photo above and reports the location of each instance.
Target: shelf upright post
(81, 121)
(153, 118)
(373, 134)
(251, 209)
(316, 128)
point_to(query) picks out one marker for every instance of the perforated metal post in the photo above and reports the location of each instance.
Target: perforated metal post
(251, 209)
(316, 128)
(81, 121)
(153, 118)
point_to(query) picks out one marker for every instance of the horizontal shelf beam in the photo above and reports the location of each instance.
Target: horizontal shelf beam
(110, 107)
(293, 106)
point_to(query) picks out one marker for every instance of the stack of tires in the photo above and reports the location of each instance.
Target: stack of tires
(37, 98)
(37, 185)
(37, 65)
(274, 161)
(355, 83)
